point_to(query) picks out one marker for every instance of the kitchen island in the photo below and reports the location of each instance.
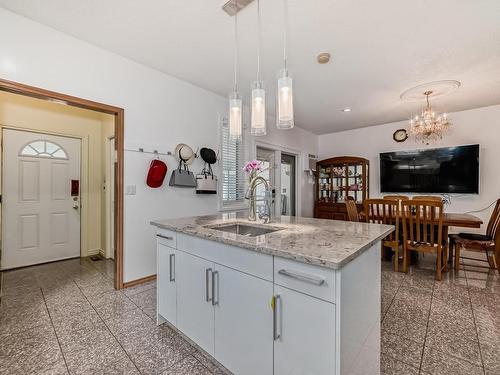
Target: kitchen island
(295, 296)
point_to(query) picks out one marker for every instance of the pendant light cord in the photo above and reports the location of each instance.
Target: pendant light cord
(285, 17)
(236, 48)
(259, 28)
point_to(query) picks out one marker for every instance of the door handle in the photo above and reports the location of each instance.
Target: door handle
(303, 277)
(215, 288)
(276, 315)
(208, 273)
(172, 267)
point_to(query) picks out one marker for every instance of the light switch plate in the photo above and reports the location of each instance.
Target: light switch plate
(130, 190)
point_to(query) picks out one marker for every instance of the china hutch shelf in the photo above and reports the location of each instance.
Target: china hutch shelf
(338, 179)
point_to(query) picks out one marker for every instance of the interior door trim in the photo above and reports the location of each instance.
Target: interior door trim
(118, 113)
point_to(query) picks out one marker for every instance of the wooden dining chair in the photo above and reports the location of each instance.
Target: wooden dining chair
(352, 210)
(422, 222)
(386, 211)
(489, 243)
(434, 198)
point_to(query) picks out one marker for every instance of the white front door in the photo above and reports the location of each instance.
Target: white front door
(41, 198)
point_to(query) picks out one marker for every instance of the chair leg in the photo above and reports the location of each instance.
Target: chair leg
(405, 259)
(396, 258)
(438, 264)
(458, 247)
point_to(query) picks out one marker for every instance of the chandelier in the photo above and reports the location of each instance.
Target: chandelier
(430, 125)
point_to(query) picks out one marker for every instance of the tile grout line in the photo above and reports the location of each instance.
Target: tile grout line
(112, 334)
(475, 325)
(426, 329)
(392, 300)
(54, 329)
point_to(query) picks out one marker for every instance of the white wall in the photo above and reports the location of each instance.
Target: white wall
(160, 111)
(477, 126)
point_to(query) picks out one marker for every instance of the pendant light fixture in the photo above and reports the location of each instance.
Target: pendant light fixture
(258, 115)
(284, 110)
(235, 102)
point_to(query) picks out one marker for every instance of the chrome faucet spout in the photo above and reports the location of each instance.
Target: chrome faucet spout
(250, 194)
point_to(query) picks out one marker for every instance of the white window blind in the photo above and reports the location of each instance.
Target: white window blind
(233, 176)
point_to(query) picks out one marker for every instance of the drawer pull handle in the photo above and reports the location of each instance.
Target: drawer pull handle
(170, 238)
(303, 277)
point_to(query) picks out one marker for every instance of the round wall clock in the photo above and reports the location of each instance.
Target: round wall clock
(400, 135)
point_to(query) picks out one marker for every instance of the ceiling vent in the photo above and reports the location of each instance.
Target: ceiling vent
(234, 6)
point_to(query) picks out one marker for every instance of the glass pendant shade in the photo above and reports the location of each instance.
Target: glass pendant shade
(284, 117)
(235, 116)
(258, 120)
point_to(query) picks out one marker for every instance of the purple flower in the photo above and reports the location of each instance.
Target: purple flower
(252, 166)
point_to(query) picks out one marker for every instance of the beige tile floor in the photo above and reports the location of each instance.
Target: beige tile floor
(65, 317)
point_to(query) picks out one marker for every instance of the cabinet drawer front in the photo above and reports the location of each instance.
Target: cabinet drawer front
(306, 278)
(166, 237)
(248, 261)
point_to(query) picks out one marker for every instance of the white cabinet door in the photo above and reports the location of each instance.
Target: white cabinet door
(306, 330)
(195, 313)
(167, 286)
(243, 322)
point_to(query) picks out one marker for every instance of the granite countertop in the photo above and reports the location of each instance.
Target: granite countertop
(326, 243)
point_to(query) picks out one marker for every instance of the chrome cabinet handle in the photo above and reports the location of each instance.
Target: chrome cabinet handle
(215, 288)
(276, 316)
(165, 237)
(303, 277)
(208, 271)
(172, 267)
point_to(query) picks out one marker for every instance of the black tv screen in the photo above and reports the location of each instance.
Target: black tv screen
(439, 170)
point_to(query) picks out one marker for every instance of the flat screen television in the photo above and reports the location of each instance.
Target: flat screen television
(439, 170)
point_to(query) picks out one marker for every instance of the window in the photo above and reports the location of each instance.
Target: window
(233, 176)
(43, 149)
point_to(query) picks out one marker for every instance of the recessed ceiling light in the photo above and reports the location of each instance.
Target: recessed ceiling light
(347, 109)
(323, 58)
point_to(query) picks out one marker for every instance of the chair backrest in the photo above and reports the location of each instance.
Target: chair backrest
(384, 211)
(427, 198)
(352, 210)
(423, 221)
(494, 223)
(397, 197)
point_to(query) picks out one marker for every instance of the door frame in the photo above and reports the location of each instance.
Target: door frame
(118, 113)
(298, 166)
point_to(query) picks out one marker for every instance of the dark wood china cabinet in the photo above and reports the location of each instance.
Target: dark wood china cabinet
(338, 179)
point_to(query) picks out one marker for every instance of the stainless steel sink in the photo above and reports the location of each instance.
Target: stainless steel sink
(245, 229)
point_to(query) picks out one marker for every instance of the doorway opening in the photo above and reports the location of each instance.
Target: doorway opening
(280, 169)
(62, 179)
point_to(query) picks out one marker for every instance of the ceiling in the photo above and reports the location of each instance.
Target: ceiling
(378, 48)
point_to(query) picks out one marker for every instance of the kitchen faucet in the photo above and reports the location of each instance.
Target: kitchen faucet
(250, 194)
